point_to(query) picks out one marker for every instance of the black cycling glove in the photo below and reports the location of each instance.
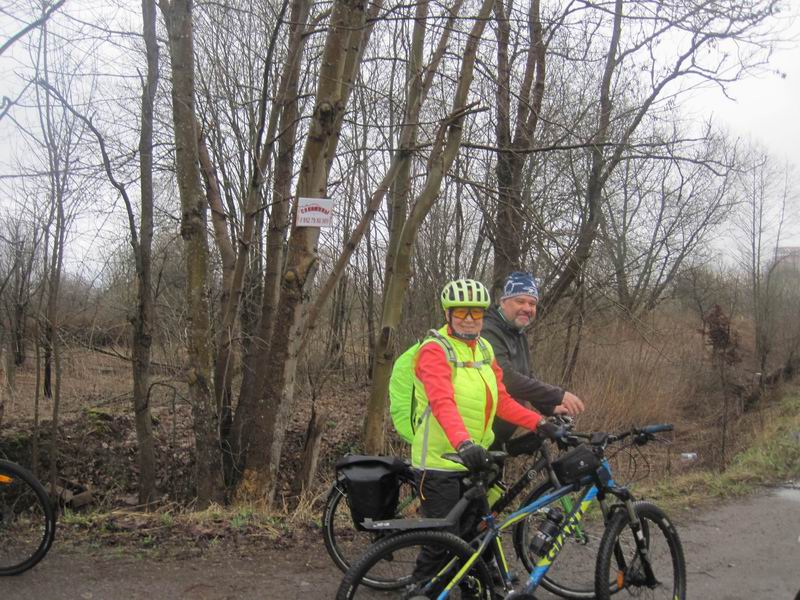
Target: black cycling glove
(550, 431)
(474, 456)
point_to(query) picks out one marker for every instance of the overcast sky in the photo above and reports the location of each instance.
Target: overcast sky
(766, 107)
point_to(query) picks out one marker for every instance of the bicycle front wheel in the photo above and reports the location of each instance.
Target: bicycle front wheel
(345, 542)
(567, 576)
(620, 565)
(400, 558)
(27, 520)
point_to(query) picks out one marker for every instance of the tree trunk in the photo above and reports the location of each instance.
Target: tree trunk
(143, 321)
(36, 399)
(53, 344)
(178, 17)
(5, 386)
(265, 431)
(310, 456)
(443, 153)
(18, 324)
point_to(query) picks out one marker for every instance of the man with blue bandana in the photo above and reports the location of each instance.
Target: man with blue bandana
(504, 328)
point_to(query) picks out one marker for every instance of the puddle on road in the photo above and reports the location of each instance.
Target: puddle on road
(789, 493)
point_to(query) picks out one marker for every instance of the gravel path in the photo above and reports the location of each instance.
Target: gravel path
(748, 550)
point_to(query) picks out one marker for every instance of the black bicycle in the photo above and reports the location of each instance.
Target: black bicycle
(346, 539)
(27, 519)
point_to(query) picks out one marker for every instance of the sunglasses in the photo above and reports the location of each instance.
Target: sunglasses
(462, 312)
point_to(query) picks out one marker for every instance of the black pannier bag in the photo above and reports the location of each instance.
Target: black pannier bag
(372, 484)
(577, 463)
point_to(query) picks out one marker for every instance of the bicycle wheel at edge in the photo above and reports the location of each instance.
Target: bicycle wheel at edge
(27, 520)
(395, 557)
(344, 542)
(566, 577)
(618, 561)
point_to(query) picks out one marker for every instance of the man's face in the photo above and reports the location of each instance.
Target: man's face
(519, 310)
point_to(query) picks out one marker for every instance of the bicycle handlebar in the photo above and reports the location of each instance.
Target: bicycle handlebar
(602, 439)
(497, 457)
(650, 429)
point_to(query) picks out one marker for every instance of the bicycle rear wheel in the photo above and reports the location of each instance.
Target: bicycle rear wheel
(27, 520)
(345, 542)
(566, 577)
(619, 564)
(395, 558)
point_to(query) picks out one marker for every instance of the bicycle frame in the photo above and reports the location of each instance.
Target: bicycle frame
(493, 531)
(524, 480)
(570, 525)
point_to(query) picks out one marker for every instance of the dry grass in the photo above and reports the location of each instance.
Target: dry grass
(88, 379)
(771, 456)
(637, 373)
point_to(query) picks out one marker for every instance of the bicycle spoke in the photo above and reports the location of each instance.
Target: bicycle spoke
(424, 563)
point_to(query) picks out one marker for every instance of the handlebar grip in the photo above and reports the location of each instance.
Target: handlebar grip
(657, 428)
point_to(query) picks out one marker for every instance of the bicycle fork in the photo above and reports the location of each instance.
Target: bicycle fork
(627, 574)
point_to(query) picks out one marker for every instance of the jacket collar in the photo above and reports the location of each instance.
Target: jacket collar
(470, 343)
(501, 319)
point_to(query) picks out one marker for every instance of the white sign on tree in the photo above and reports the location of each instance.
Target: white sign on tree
(314, 212)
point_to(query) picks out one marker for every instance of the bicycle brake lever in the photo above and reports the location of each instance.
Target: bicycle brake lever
(566, 421)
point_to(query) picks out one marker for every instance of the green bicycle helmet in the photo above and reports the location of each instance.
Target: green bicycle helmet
(465, 292)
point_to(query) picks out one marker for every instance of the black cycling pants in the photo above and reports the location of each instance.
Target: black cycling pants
(439, 493)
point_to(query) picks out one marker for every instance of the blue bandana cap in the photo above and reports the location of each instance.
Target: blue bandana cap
(520, 284)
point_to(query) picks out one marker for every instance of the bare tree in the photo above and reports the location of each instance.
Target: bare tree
(765, 193)
(141, 243)
(443, 152)
(143, 321)
(264, 433)
(210, 483)
(633, 38)
(657, 211)
(283, 117)
(20, 243)
(508, 222)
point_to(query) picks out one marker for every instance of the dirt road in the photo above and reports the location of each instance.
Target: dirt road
(748, 550)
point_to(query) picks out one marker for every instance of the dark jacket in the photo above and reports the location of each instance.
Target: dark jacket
(511, 351)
